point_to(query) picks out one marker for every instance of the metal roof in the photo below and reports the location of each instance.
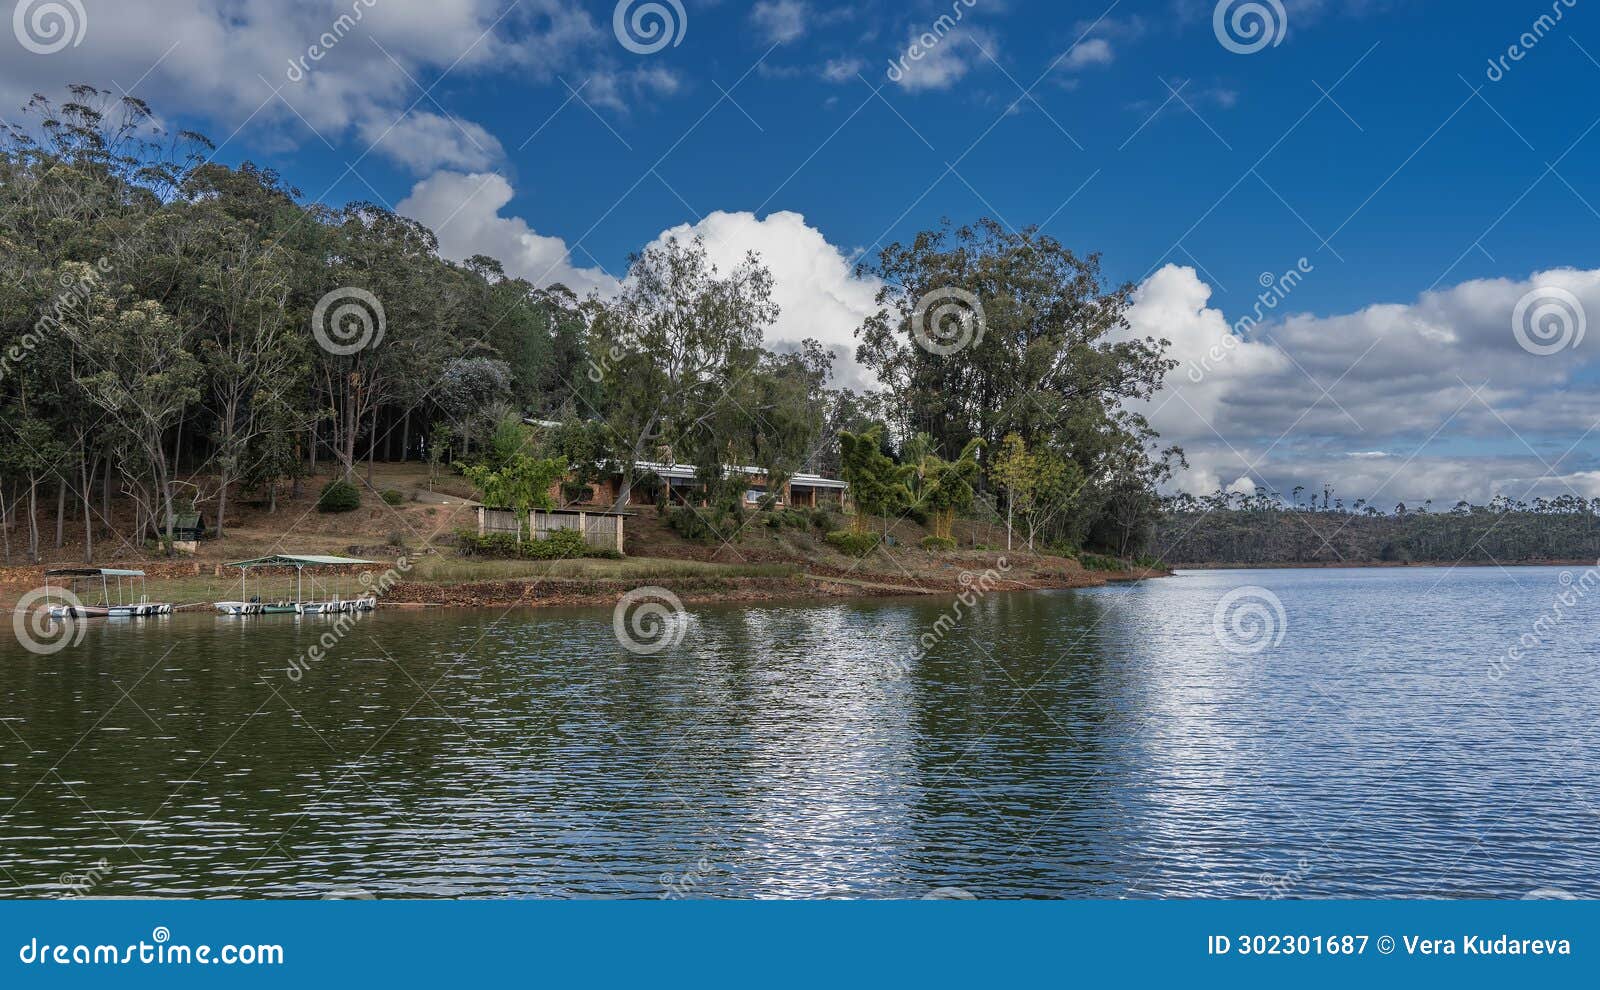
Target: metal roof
(687, 472)
(299, 560)
(91, 572)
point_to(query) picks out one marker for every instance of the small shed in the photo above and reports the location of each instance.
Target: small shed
(187, 527)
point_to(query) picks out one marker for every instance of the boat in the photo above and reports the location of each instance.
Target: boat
(130, 600)
(247, 604)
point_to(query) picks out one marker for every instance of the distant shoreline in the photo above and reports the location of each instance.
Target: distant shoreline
(1340, 565)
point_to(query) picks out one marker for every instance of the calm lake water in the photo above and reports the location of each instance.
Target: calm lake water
(1119, 742)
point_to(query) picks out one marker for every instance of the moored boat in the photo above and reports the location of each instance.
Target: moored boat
(128, 601)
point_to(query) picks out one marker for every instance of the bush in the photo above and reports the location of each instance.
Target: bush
(822, 519)
(339, 495)
(938, 543)
(853, 544)
(704, 525)
(561, 544)
(393, 497)
(1098, 562)
(787, 519)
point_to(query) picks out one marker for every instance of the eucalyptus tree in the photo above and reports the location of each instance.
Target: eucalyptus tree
(669, 344)
(983, 331)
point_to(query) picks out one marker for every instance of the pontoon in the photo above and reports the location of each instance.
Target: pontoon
(126, 603)
(257, 605)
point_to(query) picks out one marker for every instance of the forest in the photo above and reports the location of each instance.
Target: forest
(1263, 528)
(178, 334)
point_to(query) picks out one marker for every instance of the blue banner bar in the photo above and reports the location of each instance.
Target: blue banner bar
(827, 944)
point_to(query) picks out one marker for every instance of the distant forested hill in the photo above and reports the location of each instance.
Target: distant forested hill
(1264, 530)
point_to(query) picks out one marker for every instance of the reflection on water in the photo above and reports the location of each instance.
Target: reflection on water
(1064, 744)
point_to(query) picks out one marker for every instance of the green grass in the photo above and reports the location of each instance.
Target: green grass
(454, 570)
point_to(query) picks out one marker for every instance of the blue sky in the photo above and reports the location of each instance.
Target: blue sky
(1427, 194)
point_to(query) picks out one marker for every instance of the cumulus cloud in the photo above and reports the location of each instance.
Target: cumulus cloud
(814, 282)
(1437, 398)
(464, 211)
(350, 69)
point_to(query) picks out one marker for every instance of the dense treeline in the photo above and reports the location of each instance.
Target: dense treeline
(176, 333)
(1262, 528)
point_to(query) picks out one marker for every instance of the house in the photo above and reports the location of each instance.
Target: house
(655, 482)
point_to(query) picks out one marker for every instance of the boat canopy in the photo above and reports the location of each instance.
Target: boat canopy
(91, 572)
(300, 560)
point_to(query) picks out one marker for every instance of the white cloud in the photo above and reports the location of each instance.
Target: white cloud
(427, 141)
(780, 21)
(350, 68)
(932, 62)
(814, 282)
(1085, 54)
(840, 70)
(1430, 399)
(464, 211)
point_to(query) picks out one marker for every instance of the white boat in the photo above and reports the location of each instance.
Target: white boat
(248, 605)
(128, 601)
(338, 605)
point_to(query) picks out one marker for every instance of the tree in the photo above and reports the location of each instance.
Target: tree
(1048, 353)
(670, 342)
(147, 377)
(878, 485)
(522, 483)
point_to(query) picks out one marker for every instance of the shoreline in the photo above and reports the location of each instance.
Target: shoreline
(732, 591)
(193, 586)
(1354, 565)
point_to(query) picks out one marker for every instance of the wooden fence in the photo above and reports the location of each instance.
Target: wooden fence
(602, 530)
(599, 529)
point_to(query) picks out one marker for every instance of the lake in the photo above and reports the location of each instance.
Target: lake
(1293, 733)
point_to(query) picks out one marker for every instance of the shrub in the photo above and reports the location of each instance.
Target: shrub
(339, 495)
(393, 497)
(1098, 562)
(561, 544)
(853, 544)
(704, 525)
(787, 519)
(822, 519)
(938, 543)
